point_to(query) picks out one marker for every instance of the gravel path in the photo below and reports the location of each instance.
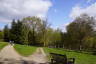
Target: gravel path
(8, 52)
(39, 56)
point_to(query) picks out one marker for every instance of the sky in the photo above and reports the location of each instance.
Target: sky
(59, 13)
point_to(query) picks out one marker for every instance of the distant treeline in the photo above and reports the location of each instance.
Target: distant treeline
(80, 34)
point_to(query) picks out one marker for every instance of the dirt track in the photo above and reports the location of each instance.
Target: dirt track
(8, 52)
(39, 56)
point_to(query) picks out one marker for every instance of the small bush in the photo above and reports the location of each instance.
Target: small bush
(94, 52)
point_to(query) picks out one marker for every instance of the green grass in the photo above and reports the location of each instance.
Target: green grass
(25, 50)
(81, 58)
(3, 44)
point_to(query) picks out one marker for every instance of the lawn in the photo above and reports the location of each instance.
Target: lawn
(25, 50)
(81, 58)
(3, 44)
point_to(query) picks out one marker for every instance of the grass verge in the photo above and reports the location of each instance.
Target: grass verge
(25, 50)
(3, 44)
(81, 58)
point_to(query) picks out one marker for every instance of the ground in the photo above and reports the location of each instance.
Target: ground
(41, 55)
(80, 58)
(9, 52)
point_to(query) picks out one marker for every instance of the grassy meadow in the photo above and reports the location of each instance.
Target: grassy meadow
(25, 50)
(80, 58)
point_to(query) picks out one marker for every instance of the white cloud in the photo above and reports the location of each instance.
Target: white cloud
(77, 11)
(63, 27)
(10, 9)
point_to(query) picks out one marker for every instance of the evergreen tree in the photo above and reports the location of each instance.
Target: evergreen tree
(13, 31)
(1, 35)
(6, 33)
(18, 29)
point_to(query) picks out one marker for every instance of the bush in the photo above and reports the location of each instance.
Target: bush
(94, 52)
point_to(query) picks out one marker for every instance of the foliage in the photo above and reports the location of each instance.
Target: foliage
(33, 31)
(80, 34)
(78, 30)
(6, 34)
(16, 31)
(1, 35)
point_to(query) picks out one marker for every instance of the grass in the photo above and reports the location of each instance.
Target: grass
(3, 44)
(81, 58)
(25, 50)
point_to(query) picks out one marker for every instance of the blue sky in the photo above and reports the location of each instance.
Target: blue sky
(58, 12)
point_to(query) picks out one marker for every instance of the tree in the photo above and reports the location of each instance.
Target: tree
(13, 31)
(44, 28)
(89, 42)
(80, 28)
(47, 37)
(30, 38)
(57, 38)
(1, 35)
(24, 35)
(27, 30)
(6, 33)
(66, 39)
(34, 25)
(18, 31)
